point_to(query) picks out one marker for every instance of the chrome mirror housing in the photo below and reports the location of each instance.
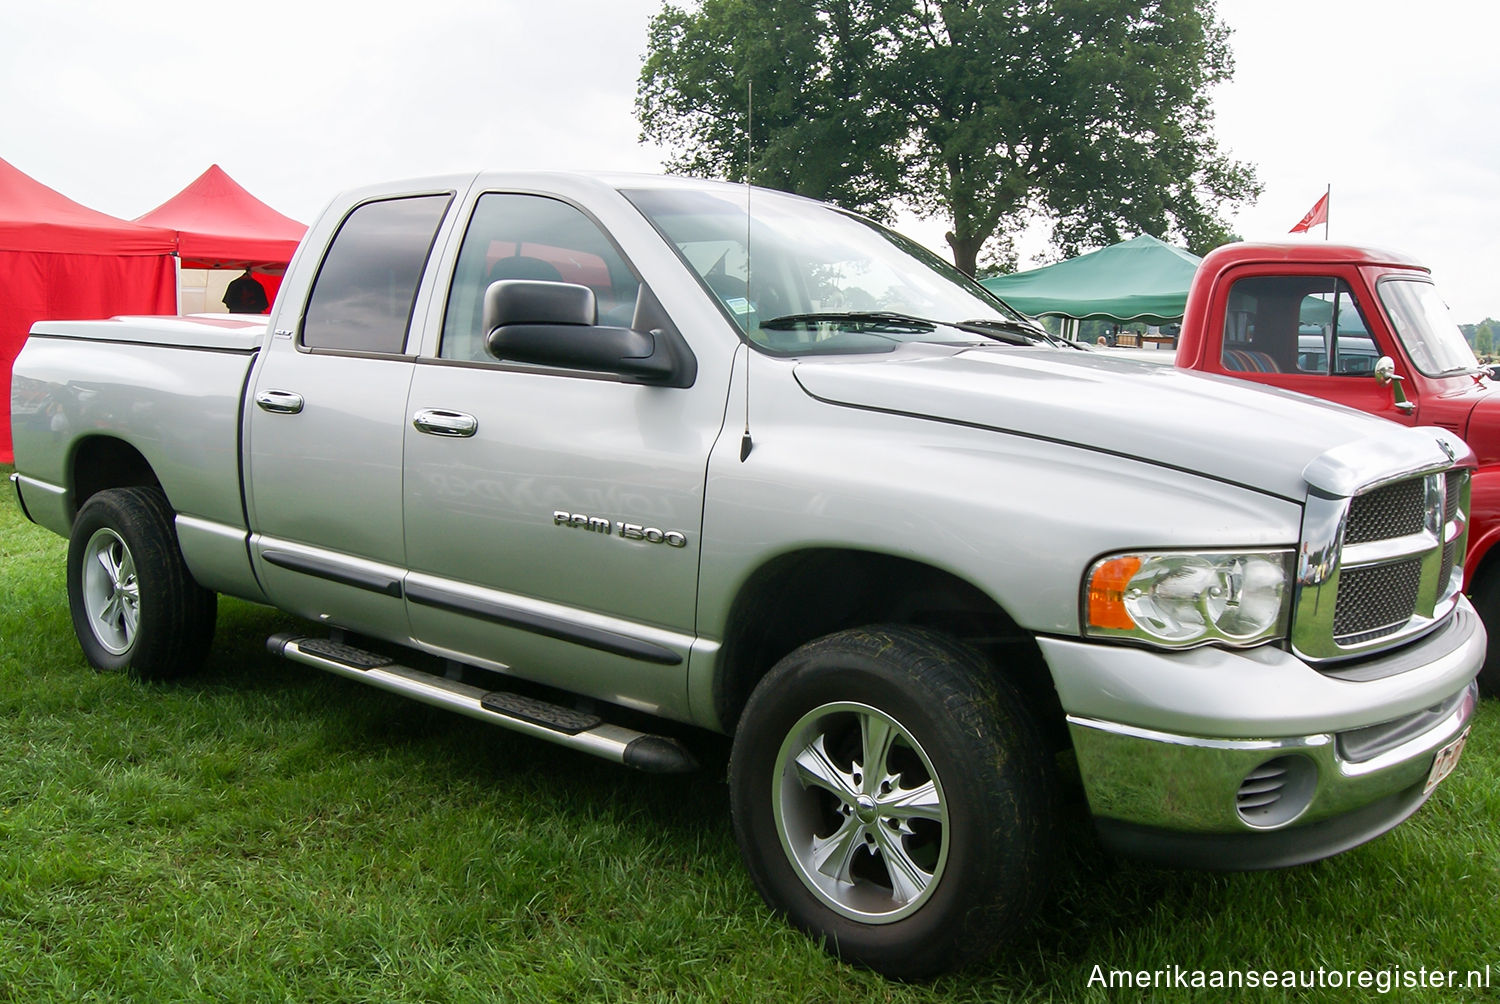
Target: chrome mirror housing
(1385, 371)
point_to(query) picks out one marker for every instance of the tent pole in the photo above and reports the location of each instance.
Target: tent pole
(177, 281)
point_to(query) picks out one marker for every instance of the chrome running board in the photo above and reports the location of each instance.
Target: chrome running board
(529, 716)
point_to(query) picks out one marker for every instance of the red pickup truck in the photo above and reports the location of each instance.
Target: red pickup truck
(1368, 329)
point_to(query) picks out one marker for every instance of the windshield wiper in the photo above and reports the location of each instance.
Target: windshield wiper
(1000, 329)
(1006, 330)
(852, 320)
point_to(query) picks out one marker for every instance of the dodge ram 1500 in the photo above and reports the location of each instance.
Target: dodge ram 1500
(553, 451)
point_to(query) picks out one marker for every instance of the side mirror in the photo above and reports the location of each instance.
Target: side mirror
(553, 324)
(524, 301)
(1385, 375)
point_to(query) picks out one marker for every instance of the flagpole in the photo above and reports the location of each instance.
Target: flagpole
(1327, 210)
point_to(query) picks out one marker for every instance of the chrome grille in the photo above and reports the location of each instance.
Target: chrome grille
(1455, 482)
(1455, 514)
(1376, 601)
(1392, 511)
(1450, 555)
(1379, 561)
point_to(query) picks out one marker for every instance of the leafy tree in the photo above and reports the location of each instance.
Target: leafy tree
(1093, 113)
(823, 122)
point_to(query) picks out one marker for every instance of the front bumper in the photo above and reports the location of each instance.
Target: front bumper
(1239, 760)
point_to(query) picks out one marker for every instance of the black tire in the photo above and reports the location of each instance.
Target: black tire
(135, 605)
(977, 859)
(1485, 596)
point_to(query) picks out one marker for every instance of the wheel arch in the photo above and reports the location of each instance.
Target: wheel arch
(1480, 567)
(1482, 558)
(803, 595)
(101, 462)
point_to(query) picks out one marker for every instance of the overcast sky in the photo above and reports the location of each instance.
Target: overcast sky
(118, 106)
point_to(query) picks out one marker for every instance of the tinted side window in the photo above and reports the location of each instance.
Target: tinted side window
(1296, 324)
(537, 238)
(362, 298)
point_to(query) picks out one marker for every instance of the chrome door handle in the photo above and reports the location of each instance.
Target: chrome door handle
(279, 402)
(439, 422)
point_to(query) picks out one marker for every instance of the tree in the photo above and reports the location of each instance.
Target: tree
(1092, 113)
(823, 122)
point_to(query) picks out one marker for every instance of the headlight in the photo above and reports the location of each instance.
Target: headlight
(1178, 600)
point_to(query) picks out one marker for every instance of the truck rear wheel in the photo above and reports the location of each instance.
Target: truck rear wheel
(135, 605)
(893, 796)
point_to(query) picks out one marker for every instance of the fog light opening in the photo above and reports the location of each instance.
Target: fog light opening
(1276, 792)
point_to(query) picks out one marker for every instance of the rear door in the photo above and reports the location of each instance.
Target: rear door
(326, 422)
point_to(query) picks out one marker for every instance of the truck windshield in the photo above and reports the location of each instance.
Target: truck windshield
(1426, 329)
(803, 278)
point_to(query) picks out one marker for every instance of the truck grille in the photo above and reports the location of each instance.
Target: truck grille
(1392, 511)
(1376, 601)
(1379, 563)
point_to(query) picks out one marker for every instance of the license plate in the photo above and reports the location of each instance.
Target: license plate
(1445, 761)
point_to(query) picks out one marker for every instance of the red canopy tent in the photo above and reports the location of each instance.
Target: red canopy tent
(63, 261)
(220, 225)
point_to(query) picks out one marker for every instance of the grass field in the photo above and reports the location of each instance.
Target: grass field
(262, 832)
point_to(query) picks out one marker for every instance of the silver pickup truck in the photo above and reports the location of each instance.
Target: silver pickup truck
(575, 454)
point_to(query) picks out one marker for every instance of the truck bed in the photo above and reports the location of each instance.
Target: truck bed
(169, 387)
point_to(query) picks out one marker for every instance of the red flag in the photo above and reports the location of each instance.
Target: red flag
(1317, 214)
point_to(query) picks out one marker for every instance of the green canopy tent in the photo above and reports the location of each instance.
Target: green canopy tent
(1137, 280)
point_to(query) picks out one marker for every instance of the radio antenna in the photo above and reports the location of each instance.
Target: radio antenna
(745, 444)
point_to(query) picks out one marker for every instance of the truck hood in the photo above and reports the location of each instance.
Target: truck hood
(1215, 426)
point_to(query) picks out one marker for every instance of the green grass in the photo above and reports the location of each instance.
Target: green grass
(263, 832)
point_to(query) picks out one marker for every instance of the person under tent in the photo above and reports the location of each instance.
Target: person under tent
(246, 295)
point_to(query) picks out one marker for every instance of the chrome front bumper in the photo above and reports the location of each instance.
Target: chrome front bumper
(1232, 791)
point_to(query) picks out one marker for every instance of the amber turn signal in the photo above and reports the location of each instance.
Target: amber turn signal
(1107, 593)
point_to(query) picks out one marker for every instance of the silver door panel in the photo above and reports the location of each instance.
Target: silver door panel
(604, 657)
(333, 588)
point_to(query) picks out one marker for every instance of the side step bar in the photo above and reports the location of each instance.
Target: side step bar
(540, 719)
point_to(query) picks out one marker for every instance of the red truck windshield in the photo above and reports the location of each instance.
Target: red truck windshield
(1422, 322)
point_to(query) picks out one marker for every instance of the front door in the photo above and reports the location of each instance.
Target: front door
(552, 517)
(1312, 333)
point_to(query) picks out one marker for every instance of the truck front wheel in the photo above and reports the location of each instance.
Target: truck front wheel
(135, 605)
(893, 796)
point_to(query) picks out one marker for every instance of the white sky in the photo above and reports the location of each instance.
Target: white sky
(120, 105)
